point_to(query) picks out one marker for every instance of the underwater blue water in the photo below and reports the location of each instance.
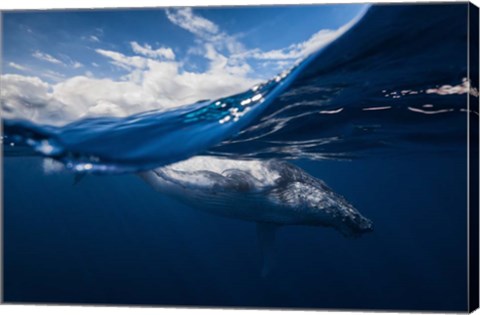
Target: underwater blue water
(379, 115)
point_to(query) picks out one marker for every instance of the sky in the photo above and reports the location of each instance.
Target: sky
(59, 66)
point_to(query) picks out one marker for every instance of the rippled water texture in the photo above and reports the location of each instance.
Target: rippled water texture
(378, 88)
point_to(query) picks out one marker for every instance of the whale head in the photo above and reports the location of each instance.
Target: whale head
(317, 204)
(353, 224)
(333, 210)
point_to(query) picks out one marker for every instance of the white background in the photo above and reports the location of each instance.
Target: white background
(95, 310)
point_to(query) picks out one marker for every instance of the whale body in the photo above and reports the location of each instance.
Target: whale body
(271, 193)
(268, 192)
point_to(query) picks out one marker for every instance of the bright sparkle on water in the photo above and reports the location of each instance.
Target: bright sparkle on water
(45, 147)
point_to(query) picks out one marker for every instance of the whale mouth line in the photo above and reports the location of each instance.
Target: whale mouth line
(356, 230)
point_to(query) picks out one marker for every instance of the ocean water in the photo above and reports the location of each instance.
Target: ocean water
(380, 115)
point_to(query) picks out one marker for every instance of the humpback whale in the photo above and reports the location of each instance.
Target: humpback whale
(271, 193)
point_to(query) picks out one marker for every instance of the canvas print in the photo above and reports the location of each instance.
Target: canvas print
(304, 156)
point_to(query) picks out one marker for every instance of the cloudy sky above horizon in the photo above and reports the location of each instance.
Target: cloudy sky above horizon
(58, 66)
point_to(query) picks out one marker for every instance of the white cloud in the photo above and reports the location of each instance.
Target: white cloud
(149, 84)
(46, 57)
(300, 50)
(193, 23)
(17, 66)
(154, 79)
(76, 65)
(52, 75)
(123, 61)
(147, 50)
(94, 38)
(225, 50)
(205, 30)
(91, 38)
(69, 62)
(30, 98)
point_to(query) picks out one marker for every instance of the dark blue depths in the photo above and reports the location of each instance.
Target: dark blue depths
(113, 240)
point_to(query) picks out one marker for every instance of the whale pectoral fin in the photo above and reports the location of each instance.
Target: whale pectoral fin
(266, 238)
(77, 178)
